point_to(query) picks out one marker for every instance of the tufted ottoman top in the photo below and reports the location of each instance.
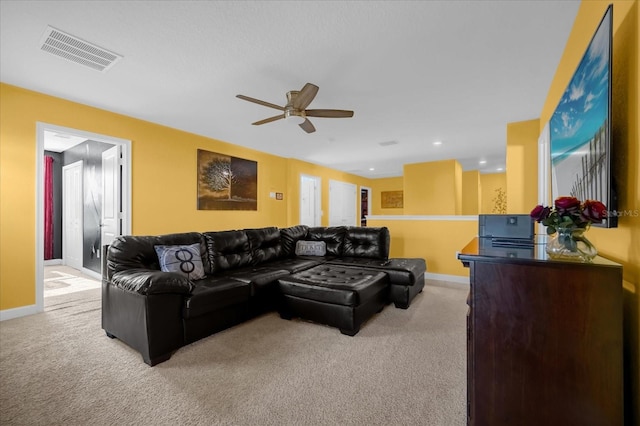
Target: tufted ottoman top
(337, 284)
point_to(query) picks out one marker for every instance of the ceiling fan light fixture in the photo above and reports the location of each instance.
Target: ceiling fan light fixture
(294, 118)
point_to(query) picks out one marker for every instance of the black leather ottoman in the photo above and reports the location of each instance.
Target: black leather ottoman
(334, 295)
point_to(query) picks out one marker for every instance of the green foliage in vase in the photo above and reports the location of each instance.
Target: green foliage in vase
(500, 202)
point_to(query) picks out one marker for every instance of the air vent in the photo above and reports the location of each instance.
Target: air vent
(76, 50)
(388, 143)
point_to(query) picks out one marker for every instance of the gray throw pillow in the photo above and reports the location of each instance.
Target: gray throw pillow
(184, 260)
(311, 248)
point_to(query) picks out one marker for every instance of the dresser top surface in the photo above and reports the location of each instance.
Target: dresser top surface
(479, 249)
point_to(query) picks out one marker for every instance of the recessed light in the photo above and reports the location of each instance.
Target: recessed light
(500, 169)
(371, 169)
(483, 161)
(437, 143)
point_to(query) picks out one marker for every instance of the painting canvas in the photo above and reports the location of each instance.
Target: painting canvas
(392, 199)
(579, 128)
(226, 183)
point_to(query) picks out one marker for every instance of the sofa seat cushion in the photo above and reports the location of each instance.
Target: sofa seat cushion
(405, 271)
(334, 284)
(296, 265)
(401, 271)
(257, 278)
(359, 261)
(214, 293)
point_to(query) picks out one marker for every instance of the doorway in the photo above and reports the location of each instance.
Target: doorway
(310, 211)
(87, 257)
(365, 204)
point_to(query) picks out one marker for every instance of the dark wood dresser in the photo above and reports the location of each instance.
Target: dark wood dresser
(544, 338)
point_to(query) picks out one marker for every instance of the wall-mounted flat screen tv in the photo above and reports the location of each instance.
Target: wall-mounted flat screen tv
(580, 138)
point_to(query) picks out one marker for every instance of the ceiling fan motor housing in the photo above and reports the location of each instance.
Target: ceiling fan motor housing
(290, 111)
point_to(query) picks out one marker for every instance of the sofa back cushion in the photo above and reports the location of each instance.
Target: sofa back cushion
(366, 242)
(228, 250)
(265, 244)
(290, 236)
(138, 252)
(333, 236)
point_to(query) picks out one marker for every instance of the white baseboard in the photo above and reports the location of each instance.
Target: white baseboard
(53, 262)
(23, 311)
(444, 277)
(92, 274)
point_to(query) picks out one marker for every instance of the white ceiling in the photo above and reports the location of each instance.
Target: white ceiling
(414, 72)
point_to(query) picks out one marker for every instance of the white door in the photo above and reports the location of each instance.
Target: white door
(110, 220)
(310, 200)
(72, 216)
(342, 204)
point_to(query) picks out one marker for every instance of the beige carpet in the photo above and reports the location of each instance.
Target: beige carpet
(405, 367)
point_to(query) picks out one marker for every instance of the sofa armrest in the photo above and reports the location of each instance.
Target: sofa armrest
(149, 281)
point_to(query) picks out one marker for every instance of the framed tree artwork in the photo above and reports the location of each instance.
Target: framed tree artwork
(226, 183)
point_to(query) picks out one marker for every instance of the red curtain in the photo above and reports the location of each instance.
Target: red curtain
(48, 207)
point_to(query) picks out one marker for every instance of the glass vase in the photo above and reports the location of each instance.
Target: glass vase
(570, 244)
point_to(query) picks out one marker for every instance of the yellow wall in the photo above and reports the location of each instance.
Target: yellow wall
(622, 244)
(436, 241)
(471, 192)
(433, 188)
(385, 184)
(522, 165)
(163, 181)
(489, 184)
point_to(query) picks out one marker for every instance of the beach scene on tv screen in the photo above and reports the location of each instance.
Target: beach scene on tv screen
(580, 129)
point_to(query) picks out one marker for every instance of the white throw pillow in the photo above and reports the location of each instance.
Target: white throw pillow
(184, 260)
(311, 248)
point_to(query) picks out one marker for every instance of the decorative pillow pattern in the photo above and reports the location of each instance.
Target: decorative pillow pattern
(311, 248)
(184, 260)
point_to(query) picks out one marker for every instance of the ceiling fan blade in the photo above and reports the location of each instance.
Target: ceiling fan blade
(328, 113)
(268, 120)
(307, 126)
(305, 96)
(258, 101)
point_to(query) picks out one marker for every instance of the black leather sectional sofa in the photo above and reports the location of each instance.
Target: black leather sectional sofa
(246, 273)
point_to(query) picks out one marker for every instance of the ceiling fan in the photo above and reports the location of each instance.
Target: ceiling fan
(297, 102)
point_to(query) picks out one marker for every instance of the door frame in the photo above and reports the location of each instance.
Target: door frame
(41, 127)
(65, 195)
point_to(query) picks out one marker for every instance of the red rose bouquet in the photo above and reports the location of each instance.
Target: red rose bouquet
(569, 212)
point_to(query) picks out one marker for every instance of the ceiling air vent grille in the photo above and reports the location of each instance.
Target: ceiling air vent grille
(76, 50)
